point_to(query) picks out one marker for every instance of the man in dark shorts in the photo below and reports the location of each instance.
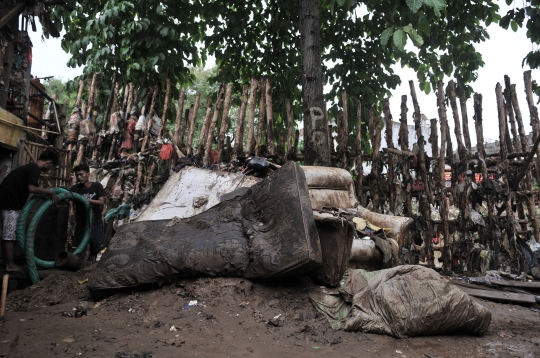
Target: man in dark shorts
(95, 195)
(14, 192)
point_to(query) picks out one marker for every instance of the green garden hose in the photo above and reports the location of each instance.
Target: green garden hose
(26, 242)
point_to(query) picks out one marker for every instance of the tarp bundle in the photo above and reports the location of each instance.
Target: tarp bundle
(269, 231)
(403, 301)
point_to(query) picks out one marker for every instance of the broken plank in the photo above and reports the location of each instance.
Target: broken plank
(520, 284)
(499, 296)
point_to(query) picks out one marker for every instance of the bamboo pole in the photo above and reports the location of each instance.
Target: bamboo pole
(251, 116)
(424, 197)
(239, 136)
(270, 140)
(165, 105)
(358, 160)
(206, 124)
(224, 126)
(261, 123)
(404, 145)
(179, 112)
(192, 121)
(212, 127)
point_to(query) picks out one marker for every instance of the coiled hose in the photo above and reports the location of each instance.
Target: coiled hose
(25, 236)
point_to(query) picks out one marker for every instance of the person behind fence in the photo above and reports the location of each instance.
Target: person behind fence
(95, 195)
(14, 192)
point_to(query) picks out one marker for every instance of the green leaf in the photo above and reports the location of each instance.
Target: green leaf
(414, 5)
(159, 9)
(427, 87)
(437, 6)
(400, 39)
(385, 36)
(514, 25)
(340, 2)
(416, 39)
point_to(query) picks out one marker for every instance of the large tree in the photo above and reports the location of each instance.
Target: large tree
(357, 42)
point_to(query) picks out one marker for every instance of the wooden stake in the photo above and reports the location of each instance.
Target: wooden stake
(290, 127)
(179, 111)
(5, 282)
(424, 198)
(251, 116)
(224, 127)
(343, 131)
(239, 136)
(212, 127)
(465, 119)
(270, 140)
(457, 125)
(165, 104)
(206, 124)
(185, 124)
(296, 140)
(509, 111)
(390, 144)
(375, 135)
(358, 161)
(116, 97)
(502, 122)
(79, 93)
(261, 124)
(135, 103)
(404, 145)
(479, 126)
(443, 200)
(91, 97)
(192, 121)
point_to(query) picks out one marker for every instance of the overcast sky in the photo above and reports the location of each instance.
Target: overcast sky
(502, 54)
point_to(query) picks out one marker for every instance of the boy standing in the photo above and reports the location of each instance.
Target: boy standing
(14, 192)
(95, 195)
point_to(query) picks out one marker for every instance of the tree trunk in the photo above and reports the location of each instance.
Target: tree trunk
(239, 136)
(270, 140)
(343, 131)
(316, 145)
(224, 126)
(192, 121)
(251, 117)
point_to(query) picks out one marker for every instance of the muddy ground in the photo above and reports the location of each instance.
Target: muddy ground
(232, 318)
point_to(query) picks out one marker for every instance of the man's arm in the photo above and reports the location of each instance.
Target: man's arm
(34, 189)
(99, 201)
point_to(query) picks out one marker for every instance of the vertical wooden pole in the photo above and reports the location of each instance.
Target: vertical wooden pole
(239, 135)
(358, 161)
(5, 281)
(343, 131)
(404, 146)
(443, 200)
(79, 93)
(290, 127)
(295, 145)
(389, 136)
(224, 126)
(192, 121)
(509, 111)
(502, 122)
(270, 140)
(206, 124)
(185, 124)
(179, 112)
(212, 127)
(262, 113)
(465, 119)
(424, 196)
(251, 116)
(457, 125)
(165, 105)
(375, 134)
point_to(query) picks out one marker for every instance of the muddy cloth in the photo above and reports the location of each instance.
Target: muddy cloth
(251, 236)
(403, 301)
(183, 162)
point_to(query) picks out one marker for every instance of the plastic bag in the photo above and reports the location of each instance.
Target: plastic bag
(166, 152)
(259, 164)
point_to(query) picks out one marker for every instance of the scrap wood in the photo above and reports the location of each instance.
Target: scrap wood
(497, 295)
(520, 284)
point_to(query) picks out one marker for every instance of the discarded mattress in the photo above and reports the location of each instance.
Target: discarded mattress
(403, 301)
(193, 191)
(252, 236)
